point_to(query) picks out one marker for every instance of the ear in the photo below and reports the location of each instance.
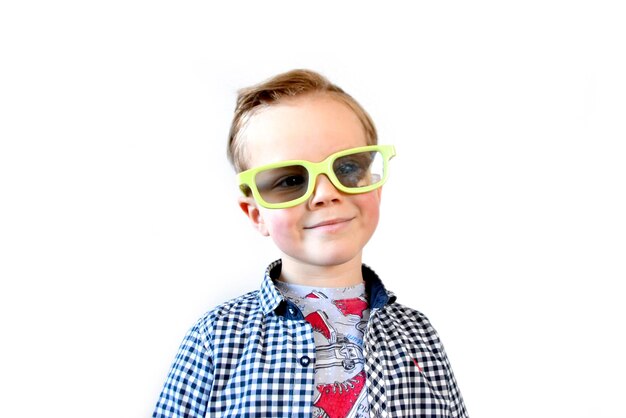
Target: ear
(249, 206)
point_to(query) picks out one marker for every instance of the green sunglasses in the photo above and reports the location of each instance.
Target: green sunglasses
(289, 183)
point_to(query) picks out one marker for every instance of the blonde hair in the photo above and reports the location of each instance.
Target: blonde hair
(286, 85)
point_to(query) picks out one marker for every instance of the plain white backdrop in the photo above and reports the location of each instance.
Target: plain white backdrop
(503, 218)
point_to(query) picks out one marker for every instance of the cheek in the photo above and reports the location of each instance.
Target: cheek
(370, 205)
(281, 224)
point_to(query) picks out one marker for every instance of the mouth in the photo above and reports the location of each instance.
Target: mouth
(329, 223)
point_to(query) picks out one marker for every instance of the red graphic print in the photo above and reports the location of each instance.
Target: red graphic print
(354, 306)
(319, 322)
(338, 399)
(316, 295)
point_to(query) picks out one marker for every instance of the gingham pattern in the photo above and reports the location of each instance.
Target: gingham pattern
(254, 357)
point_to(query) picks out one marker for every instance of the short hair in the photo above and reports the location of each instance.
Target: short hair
(294, 83)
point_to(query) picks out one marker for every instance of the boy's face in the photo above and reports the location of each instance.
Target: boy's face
(330, 228)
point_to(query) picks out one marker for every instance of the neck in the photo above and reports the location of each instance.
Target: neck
(340, 275)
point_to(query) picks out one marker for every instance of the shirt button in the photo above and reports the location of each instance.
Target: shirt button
(292, 311)
(305, 361)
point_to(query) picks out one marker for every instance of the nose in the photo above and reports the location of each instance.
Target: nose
(324, 192)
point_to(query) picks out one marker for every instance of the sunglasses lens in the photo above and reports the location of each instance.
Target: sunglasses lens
(360, 169)
(283, 184)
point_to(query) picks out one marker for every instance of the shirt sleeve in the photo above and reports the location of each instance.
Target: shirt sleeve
(455, 399)
(457, 406)
(188, 384)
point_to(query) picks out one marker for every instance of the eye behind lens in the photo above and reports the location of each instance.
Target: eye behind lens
(361, 169)
(282, 184)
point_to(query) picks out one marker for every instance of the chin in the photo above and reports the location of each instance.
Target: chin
(330, 259)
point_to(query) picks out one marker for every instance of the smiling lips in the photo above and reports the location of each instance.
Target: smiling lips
(330, 223)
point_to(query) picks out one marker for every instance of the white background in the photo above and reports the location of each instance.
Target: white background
(503, 219)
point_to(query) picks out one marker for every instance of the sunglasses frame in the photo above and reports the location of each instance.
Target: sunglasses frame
(246, 179)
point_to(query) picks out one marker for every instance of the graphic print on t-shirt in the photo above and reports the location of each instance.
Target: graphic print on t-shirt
(340, 399)
(354, 306)
(319, 322)
(338, 318)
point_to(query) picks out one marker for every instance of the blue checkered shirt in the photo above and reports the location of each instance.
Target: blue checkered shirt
(254, 357)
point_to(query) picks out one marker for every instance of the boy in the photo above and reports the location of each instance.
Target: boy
(322, 337)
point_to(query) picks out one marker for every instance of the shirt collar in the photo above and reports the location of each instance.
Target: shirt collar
(270, 298)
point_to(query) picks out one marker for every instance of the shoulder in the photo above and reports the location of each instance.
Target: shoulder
(234, 310)
(408, 322)
(406, 314)
(226, 317)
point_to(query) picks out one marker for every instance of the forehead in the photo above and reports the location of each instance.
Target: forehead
(303, 128)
